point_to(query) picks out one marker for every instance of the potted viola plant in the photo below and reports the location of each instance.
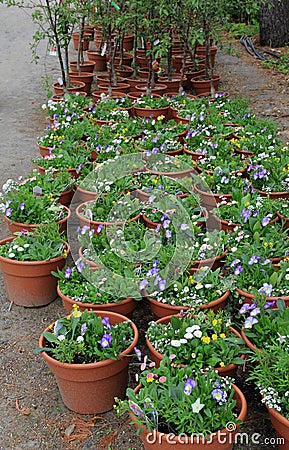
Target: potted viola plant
(27, 259)
(155, 411)
(203, 340)
(89, 352)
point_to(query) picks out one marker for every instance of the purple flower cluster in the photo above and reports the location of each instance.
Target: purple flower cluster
(254, 311)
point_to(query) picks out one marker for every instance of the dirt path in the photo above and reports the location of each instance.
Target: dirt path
(32, 413)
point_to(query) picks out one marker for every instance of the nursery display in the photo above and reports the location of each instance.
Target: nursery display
(181, 215)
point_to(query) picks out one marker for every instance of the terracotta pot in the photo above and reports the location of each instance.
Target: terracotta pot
(85, 77)
(103, 80)
(86, 66)
(249, 298)
(201, 53)
(85, 196)
(120, 87)
(126, 60)
(44, 151)
(154, 355)
(95, 224)
(73, 172)
(85, 43)
(128, 42)
(214, 263)
(99, 60)
(18, 226)
(124, 72)
(124, 307)
(179, 174)
(228, 226)
(274, 195)
(75, 87)
(133, 82)
(202, 86)
(220, 440)
(210, 200)
(91, 388)
(151, 112)
(160, 309)
(159, 89)
(172, 85)
(30, 283)
(281, 426)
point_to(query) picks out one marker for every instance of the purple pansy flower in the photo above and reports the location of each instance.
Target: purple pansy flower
(189, 385)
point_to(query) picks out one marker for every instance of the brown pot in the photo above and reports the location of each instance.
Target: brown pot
(284, 219)
(124, 72)
(151, 112)
(203, 86)
(85, 44)
(214, 263)
(74, 87)
(126, 59)
(201, 53)
(30, 283)
(103, 80)
(281, 426)
(128, 42)
(85, 77)
(99, 60)
(159, 89)
(120, 87)
(85, 196)
(274, 195)
(91, 388)
(210, 200)
(173, 85)
(44, 151)
(73, 172)
(86, 66)
(133, 82)
(249, 298)
(124, 307)
(160, 309)
(18, 226)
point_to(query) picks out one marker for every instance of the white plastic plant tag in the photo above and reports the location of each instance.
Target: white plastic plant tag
(156, 42)
(60, 81)
(103, 49)
(37, 190)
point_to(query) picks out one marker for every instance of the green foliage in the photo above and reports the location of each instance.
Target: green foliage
(181, 400)
(42, 244)
(84, 337)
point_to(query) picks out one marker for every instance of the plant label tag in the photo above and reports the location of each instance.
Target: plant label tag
(103, 49)
(156, 42)
(37, 190)
(52, 51)
(60, 81)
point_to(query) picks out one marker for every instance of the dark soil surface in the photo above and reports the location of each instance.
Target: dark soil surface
(32, 413)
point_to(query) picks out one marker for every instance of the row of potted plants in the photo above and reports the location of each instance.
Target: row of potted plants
(196, 286)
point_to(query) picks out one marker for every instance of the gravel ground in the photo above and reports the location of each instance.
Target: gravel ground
(32, 413)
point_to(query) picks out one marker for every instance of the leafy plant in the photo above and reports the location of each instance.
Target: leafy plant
(180, 400)
(203, 340)
(84, 337)
(42, 244)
